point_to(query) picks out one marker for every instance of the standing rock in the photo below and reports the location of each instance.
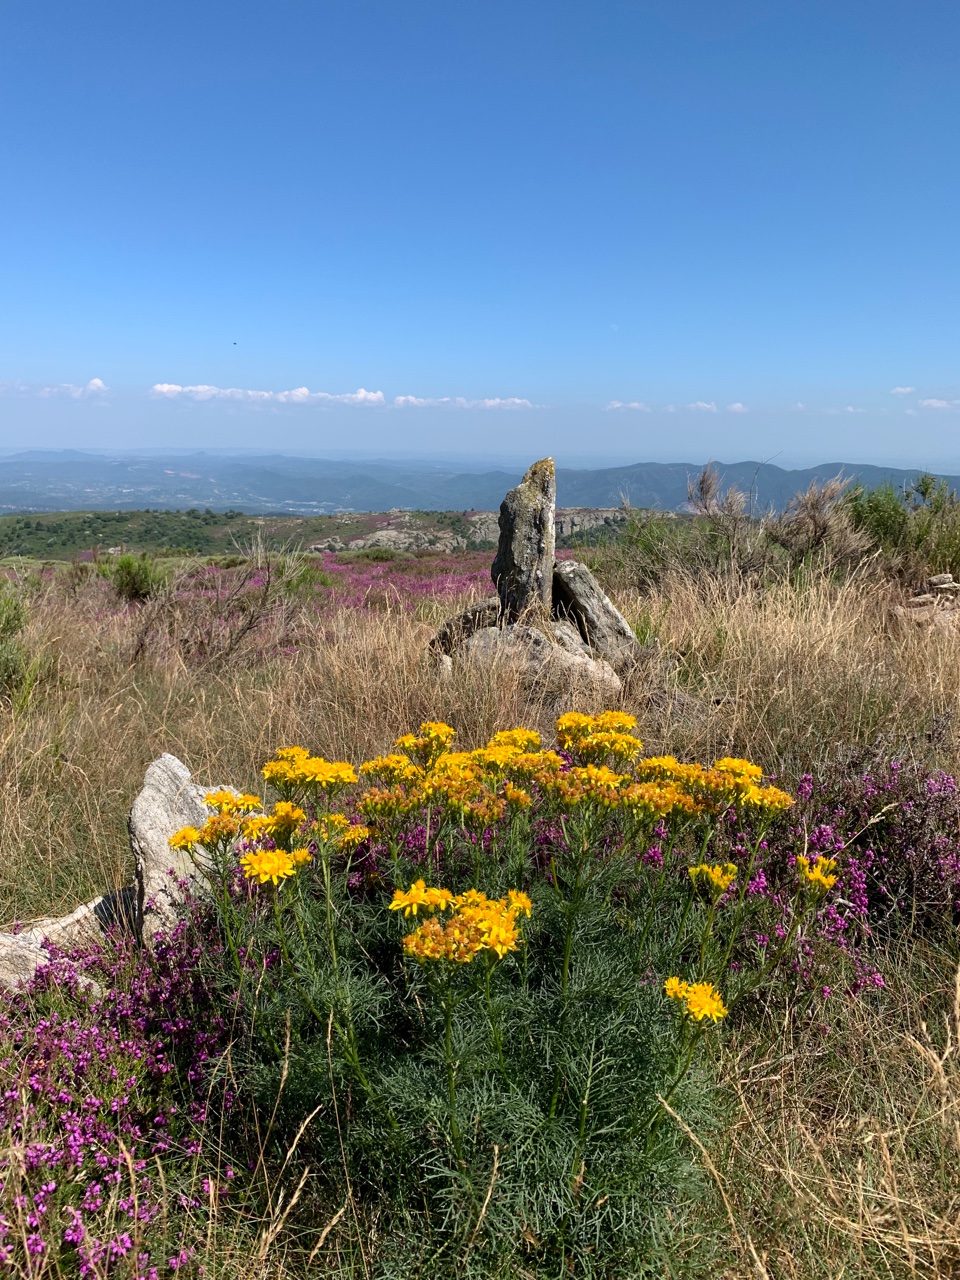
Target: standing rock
(578, 596)
(523, 568)
(170, 799)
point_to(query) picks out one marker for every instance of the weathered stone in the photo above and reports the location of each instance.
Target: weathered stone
(170, 799)
(568, 636)
(917, 602)
(578, 596)
(408, 540)
(540, 661)
(485, 613)
(523, 568)
(19, 960)
(940, 580)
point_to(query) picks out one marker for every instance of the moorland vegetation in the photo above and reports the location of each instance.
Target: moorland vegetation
(669, 988)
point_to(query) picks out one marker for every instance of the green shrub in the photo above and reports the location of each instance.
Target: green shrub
(134, 578)
(917, 528)
(14, 660)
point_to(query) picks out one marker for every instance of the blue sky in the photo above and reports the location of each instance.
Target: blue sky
(473, 228)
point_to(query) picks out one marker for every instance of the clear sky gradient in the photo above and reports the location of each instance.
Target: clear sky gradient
(605, 229)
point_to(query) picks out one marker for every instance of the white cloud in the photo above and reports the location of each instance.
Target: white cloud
(853, 409)
(939, 404)
(461, 402)
(706, 406)
(298, 395)
(801, 405)
(737, 407)
(72, 390)
(912, 413)
(637, 405)
(902, 391)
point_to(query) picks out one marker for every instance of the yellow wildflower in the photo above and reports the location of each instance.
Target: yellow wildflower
(431, 741)
(298, 856)
(411, 899)
(185, 838)
(265, 865)
(676, 988)
(284, 819)
(608, 745)
(225, 801)
(522, 740)
(518, 901)
(721, 877)
(821, 873)
(700, 999)
(391, 768)
(703, 1000)
(218, 829)
(478, 924)
(254, 828)
(516, 797)
(571, 727)
(354, 835)
(739, 768)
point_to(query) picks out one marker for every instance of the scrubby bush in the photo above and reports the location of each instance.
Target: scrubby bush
(14, 660)
(134, 578)
(917, 528)
(724, 536)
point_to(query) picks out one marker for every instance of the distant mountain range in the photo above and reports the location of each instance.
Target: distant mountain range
(71, 480)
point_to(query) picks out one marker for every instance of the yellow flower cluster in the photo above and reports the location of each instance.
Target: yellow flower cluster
(295, 772)
(433, 738)
(338, 830)
(699, 999)
(729, 783)
(821, 874)
(600, 738)
(225, 801)
(478, 923)
(219, 829)
(720, 876)
(478, 788)
(271, 865)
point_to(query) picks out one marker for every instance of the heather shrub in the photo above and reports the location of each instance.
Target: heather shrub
(106, 1062)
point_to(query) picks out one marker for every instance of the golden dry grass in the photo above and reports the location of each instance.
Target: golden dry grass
(840, 1153)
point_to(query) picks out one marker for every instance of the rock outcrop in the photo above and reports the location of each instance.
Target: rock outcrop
(550, 622)
(937, 607)
(551, 663)
(169, 800)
